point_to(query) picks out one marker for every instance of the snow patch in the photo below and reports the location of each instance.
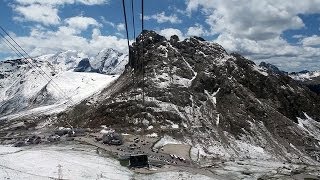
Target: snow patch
(305, 76)
(153, 135)
(260, 70)
(310, 126)
(166, 140)
(67, 162)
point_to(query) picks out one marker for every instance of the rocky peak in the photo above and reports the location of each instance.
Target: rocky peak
(272, 68)
(156, 45)
(309, 78)
(196, 91)
(174, 39)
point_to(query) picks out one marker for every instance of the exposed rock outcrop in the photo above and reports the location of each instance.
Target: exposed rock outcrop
(222, 104)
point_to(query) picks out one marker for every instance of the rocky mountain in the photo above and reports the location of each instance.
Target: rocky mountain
(222, 104)
(310, 79)
(305, 75)
(54, 81)
(272, 68)
(110, 61)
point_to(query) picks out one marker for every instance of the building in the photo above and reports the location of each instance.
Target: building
(139, 161)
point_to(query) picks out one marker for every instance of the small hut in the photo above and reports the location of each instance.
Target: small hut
(139, 161)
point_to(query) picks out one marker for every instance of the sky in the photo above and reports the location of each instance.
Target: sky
(284, 33)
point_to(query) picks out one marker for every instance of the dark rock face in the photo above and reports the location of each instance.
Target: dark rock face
(272, 68)
(314, 87)
(85, 66)
(197, 92)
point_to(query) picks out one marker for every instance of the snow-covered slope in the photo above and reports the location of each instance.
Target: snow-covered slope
(51, 82)
(110, 61)
(310, 79)
(305, 75)
(85, 162)
(61, 162)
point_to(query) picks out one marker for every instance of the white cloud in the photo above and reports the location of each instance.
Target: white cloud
(81, 23)
(196, 30)
(311, 41)
(104, 21)
(92, 2)
(121, 27)
(253, 19)
(41, 41)
(298, 36)
(44, 14)
(62, 2)
(46, 11)
(276, 51)
(162, 18)
(254, 28)
(96, 33)
(67, 30)
(170, 32)
(68, 34)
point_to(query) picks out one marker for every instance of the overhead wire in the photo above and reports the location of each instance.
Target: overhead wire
(142, 49)
(39, 69)
(133, 22)
(134, 35)
(7, 42)
(126, 22)
(16, 51)
(12, 48)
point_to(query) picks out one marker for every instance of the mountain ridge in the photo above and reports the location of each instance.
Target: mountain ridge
(24, 87)
(222, 104)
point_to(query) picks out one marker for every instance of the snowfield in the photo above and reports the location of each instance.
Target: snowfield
(65, 162)
(75, 87)
(70, 162)
(76, 161)
(51, 84)
(303, 76)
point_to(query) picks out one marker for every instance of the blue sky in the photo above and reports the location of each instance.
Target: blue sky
(285, 33)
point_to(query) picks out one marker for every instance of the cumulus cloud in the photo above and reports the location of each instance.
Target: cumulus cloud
(196, 30)
(92, 2)
(298, 36)
(81, 23)
(61, 2)
(121, 27)
(162, 18)
(44, 14)
(311, 41)
(45, 11)
(254, 28)
(276, 51)
(170, 32)
(41, 41)
(104, 21)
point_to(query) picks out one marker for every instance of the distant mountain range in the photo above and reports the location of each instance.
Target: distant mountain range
(309, 78)
(28, 89)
